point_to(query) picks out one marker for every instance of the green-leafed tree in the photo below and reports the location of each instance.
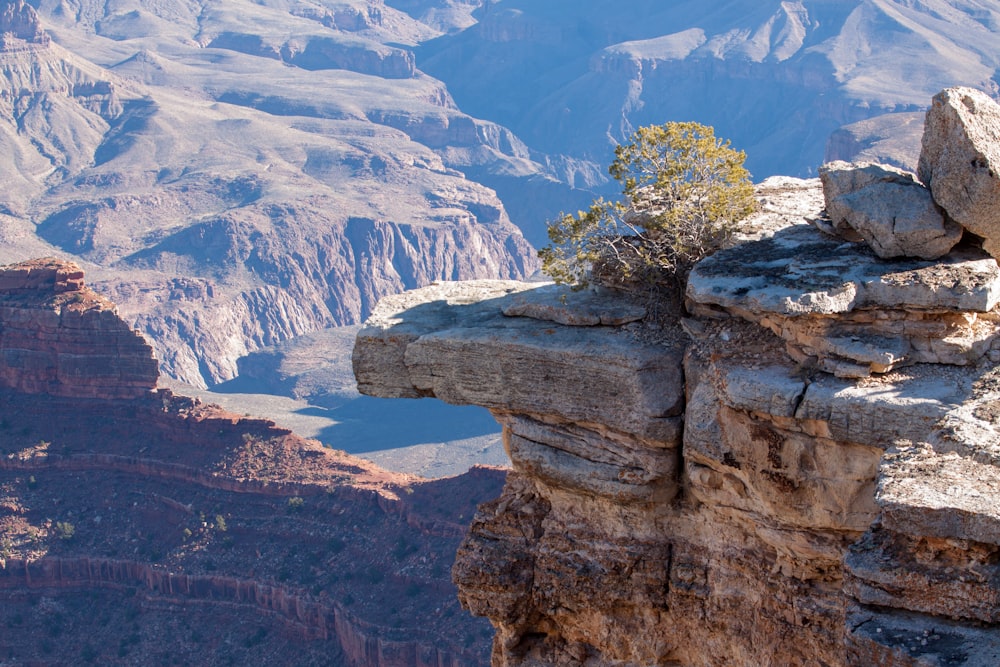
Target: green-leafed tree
(684, 193)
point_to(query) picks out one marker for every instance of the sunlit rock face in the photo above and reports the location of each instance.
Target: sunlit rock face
(61, 338)
(234, 179)
(717, 491)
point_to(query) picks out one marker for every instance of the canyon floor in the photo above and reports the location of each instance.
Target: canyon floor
(307, 385)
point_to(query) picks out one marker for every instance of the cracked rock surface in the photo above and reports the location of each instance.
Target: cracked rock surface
(803, 472)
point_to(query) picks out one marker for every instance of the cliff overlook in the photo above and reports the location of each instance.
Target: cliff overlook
(801, 469)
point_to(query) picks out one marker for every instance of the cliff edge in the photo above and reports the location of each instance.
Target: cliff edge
(801, 472)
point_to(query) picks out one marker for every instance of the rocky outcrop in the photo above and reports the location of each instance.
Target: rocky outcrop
(62, 339)
(842, 309)
(960, 160)
(888, 209)
(744, 491)
(19, 22)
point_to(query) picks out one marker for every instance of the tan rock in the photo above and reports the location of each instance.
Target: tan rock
(452, 341)
(621, 468)
(849, 313)
(887, 208)
(960, 160)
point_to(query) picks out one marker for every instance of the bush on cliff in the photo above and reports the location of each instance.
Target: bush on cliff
(684, 191)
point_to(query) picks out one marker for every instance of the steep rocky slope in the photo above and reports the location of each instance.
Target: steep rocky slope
(229, 195)
(138, 526)
(703, 492)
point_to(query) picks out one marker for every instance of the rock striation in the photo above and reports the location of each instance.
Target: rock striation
(802, 472)
(841, 309)
(62, 339)
(132, 517)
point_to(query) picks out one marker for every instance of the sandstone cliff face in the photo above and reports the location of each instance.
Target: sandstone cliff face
(710, 495)
(62, 339)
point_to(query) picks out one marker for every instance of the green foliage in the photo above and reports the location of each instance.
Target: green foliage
(65, 530)
(295, 504)
(684, 193)
(220, 523)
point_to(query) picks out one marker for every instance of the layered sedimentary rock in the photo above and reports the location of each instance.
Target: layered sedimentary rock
(837, 305)
(62, 339)
(716, 494)
(136, 524)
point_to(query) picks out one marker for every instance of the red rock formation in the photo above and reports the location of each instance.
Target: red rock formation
(363, 643)
(111, 486)
(60, 338)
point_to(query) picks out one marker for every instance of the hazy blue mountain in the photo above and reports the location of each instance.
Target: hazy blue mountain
(777, 77)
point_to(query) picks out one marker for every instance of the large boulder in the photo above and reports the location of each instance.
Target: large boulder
(888, 209)
(960, 160)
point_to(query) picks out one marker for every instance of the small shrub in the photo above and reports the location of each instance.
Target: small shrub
(65, 530)
(684, 193)
(295, 504)
(220, 523)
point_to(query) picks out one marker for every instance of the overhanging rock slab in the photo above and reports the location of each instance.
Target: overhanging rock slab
(452, 341)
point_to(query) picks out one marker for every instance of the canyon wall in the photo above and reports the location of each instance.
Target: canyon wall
(225, 207)
(61, 339)
(200, 536)
(746, 484)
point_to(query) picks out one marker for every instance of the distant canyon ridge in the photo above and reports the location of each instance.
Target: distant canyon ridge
(237, 174)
